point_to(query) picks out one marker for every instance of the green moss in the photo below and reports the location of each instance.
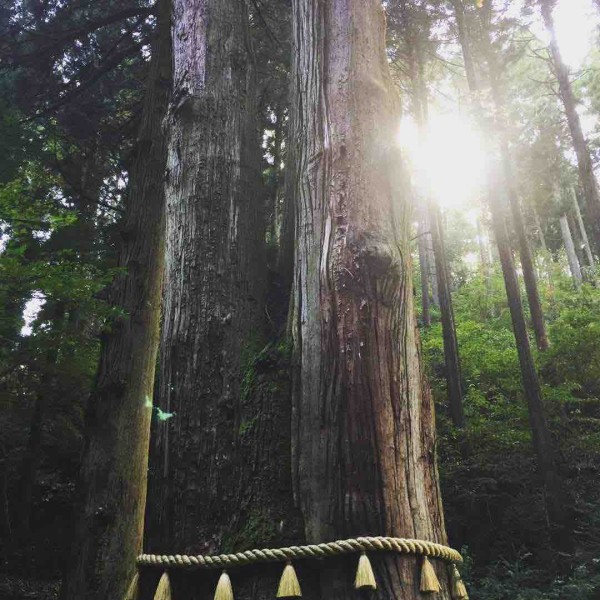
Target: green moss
(258, 531)
(256, 357)
(249, 350)
(246, 426)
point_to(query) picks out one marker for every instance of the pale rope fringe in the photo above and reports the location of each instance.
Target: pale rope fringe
(349, 546)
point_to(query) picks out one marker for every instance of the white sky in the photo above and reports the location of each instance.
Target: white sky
(31, 311)
(575, 22)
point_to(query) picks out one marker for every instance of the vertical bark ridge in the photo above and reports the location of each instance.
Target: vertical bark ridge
(363, 416)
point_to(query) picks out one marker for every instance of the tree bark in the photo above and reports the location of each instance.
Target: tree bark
(587, 179)
(451, 354)
(433, 276)
(424, 270)
(208, 493)
(109, 512)
(542, 440)
(363, 427)
(570, 250)
(582, 231)
(529, 274)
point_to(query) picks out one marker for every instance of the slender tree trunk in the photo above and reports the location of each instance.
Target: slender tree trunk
(589, 184)
(467, 54)
(451, 354)
(542, 440)
(540, 232)
(424, 269)
(582, 231)
(5, 517)
(414, 44)
(363, 429)
(570, 250)
(529, 274)
(484, 259)
(109, 512)
(32, 455)
(433, 275)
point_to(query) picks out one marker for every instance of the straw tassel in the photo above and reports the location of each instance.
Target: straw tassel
(429, 580)
(163, 591)
(133, 589)
(288, 584)
(224, 589)
(364, 573)
(459, 590)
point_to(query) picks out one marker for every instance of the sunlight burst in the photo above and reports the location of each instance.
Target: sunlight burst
(448, 162)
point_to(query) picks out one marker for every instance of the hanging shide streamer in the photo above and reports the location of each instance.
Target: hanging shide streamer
(429, 580)
(163, 591)
(133, 589)
(365, 577)
(289, 587)
(224, 589)
(459, 590)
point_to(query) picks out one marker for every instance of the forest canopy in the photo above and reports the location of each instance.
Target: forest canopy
(284, 272)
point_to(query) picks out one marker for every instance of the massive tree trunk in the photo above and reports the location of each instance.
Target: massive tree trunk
(363, 429)
(574, 267)
(109, 513)
(587, 179)
(208, 494)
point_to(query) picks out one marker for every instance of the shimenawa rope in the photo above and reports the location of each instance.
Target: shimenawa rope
(289, 587)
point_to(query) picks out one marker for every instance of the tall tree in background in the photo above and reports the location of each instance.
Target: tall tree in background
(572, 258)
(587, 179)
(359, 388)
(109, 514)
(498, 190)
(412, 26)
(422, 233)
(468, 30)
(582, 230)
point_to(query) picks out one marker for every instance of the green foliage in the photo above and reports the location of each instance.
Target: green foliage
(492, 495)
(574, 356)
(518, 581)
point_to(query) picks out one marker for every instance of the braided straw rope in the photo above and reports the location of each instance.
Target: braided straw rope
(371, 544)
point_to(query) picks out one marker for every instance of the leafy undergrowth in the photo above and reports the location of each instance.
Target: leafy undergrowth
(492, 496)
(14, 588)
